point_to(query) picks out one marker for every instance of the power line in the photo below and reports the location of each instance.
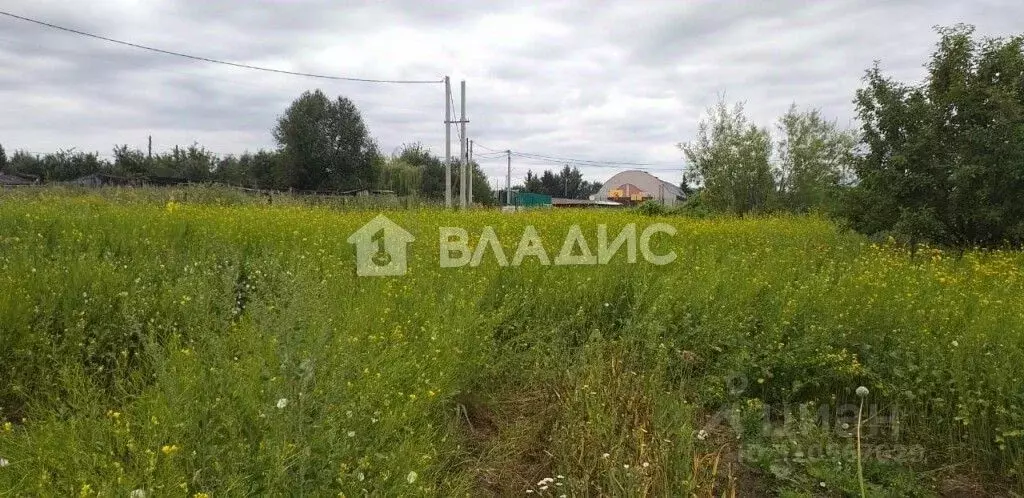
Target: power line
(596, 165)
(482, 146)
(588, 162)
(214, 61)
(488, 155)
(458, 129)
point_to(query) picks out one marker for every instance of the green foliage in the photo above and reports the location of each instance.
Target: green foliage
(567, 183)
(942, 159)
(731, 162)
(731, 158)
(326, 144)
(652, 208)
(323, 146)
(193, 163)
(60, 166)
(815, 158)
(694, 206)
(151, 334)
(400, 177)
(431, 166)
(130, 162)
(430, 172)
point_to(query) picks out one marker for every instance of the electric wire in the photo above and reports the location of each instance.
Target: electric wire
(216, 61)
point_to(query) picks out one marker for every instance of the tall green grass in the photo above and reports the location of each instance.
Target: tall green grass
(228, 348)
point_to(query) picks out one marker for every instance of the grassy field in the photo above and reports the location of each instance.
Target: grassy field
(215, 346)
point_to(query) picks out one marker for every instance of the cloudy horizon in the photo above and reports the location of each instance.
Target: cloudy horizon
(603, 81)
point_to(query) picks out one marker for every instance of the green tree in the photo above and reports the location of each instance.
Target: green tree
(943, 160)
(815, 157)
(326, 144)
(431, 166)
(532, 183)
(132, 162)
(567, 183)
(25, 163)
(731, 158)
(3, 158)
(265, 169)
(193, 163)
(400, 177)
(482, 192)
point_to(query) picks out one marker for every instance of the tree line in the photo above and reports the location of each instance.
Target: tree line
(941, 161)
(323, 145)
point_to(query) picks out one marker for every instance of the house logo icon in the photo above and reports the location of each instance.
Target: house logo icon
(381, 248)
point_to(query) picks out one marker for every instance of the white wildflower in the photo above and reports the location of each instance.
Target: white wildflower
(4, 462)
(411, 477)
(281, 403)
(351, 433)
(702, 435)
(137, 493)
(862, 391)
(606, 455)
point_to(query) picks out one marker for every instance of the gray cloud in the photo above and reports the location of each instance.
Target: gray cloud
(604, 80)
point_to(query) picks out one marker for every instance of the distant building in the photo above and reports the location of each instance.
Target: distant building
(635, 187)
(101, 180)
(14, 180)
(582, 203)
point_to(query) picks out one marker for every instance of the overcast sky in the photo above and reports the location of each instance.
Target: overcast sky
(609, 81)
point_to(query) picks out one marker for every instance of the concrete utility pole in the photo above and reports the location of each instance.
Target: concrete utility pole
(464, 155)
(149, 155)
(447, 143)
(471, 175)
(508, 179)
